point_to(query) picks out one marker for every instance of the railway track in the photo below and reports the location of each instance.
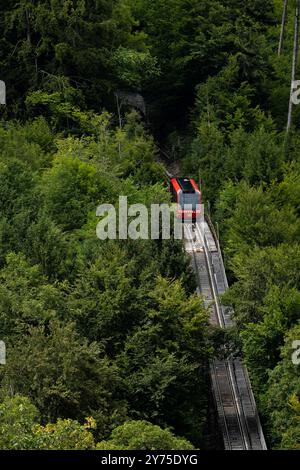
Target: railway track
(236, 408)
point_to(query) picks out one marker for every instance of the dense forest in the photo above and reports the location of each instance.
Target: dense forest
(107, 343)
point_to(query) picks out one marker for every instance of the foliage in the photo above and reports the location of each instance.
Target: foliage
(46, 41)
(26, 297)
(134, 68)
(284, 384)
(63, 374)
(162, 376)
(70, 304)
(19, 429)
(17, 417)
(112, 329)
(142, 435)
(192, 40)
(261, 233)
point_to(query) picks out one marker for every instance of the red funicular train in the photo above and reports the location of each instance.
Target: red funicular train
(188, 197)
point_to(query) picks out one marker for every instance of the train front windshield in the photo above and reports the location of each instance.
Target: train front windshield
(189, 201)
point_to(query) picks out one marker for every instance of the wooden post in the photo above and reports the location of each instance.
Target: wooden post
(282, 30)
(27, 15)
(120, 120)
(294, 65)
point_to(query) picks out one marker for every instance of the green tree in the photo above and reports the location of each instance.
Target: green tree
(17, 418)
(163, 375)
(43, 41)
(262, 340)
(284, 384)
(107, 299)
(135, 68)
(192, 41)
(142, 435)
(26, 298)
(64, 376)
(65, 434)
(19, 429)
(31, 143)
(71, 188)
(256, 220)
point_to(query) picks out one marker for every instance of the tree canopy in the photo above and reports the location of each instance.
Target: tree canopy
(108, 345)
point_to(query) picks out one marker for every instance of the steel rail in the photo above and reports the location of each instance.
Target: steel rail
(241, 440)
(232, 371)
(233, 393)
